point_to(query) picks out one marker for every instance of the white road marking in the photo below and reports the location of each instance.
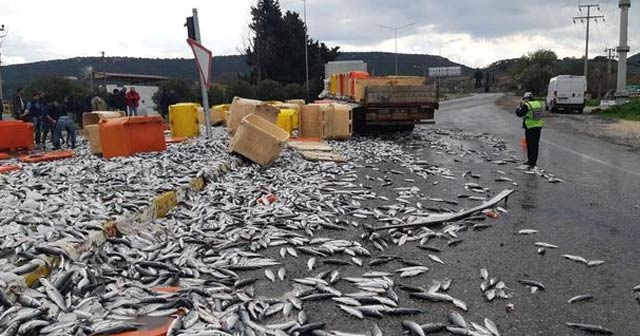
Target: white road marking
(591, 158)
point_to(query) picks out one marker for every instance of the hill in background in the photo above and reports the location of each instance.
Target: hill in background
(225, 68)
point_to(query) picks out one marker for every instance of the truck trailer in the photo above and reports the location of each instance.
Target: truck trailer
(389, 103)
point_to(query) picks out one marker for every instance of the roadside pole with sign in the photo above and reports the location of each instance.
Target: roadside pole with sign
(203, 57)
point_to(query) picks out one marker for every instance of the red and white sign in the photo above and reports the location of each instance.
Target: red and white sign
(203, 60)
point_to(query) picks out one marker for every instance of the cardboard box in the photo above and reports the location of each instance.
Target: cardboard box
(338, 122)
(312, 120)
(93, 118)
(92, 134)
(258, 140)
(242, 107)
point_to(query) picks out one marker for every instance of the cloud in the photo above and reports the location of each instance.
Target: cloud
(486, 30)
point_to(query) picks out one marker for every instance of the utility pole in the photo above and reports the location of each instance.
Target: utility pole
(306, 47)
(395, 30)
(610, 56)
(104, 72)
(589, 17)
(623, 49)
(3, 34)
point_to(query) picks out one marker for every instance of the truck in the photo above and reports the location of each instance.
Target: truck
(390, 103)
(566, 93)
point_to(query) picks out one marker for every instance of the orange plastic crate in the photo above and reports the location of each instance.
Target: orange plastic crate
(53, 156)
(16, 135)
(132, 135)
(8, 168)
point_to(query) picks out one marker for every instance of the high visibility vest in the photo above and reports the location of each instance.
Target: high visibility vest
(533, 118)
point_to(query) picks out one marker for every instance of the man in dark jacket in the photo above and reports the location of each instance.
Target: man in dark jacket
(61, 121)
(531, 113)
(34, 112)
(18, 104)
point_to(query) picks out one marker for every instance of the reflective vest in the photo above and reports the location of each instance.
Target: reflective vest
(533, 118)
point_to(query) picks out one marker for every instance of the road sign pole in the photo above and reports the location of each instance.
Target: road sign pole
(203, 84)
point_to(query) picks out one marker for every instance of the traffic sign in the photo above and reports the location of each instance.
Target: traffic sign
(454, 71)
(203, 58)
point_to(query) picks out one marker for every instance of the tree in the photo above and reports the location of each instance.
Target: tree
(270, 90)
(277, 49)
(536, 69)
(242, 89)
(184, 92)
(216, 94)
(268, 36)
(294, 91)
(54, 88)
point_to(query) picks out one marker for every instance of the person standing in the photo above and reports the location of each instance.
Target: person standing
(18, 104)
(61, 121)
(133, 101)
(34, 112)
(98, 104)
(531, 113)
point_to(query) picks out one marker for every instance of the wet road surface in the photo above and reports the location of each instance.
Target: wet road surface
(594, 214)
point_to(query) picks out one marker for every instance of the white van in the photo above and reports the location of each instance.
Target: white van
(566, 93)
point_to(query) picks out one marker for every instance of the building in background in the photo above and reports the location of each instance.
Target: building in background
(146, 86)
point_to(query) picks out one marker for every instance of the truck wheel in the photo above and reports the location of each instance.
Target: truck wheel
(406, 128)
(554, 110)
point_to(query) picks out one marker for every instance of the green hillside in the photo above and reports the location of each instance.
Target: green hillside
(381, 64)
(634, 64)
(225, 68)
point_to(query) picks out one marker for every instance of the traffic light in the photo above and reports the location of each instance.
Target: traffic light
(191, 30)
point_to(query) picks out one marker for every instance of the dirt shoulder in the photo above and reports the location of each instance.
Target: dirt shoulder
(621, 132)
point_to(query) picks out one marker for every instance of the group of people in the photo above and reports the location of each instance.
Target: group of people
(125, 100)
(46, 118)
(55, 117)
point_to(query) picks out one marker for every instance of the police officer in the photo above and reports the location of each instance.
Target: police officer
(531, 113)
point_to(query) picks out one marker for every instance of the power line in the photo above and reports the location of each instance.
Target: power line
(611, 54)
(588, 18)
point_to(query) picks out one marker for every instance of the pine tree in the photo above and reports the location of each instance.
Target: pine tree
(277, 49)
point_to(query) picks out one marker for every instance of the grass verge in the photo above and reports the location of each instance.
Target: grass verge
(629, 111)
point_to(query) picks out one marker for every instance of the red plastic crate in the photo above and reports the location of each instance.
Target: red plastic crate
(15, 135)
(128, 136)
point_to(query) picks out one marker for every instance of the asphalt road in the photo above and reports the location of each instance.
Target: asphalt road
(593, 214)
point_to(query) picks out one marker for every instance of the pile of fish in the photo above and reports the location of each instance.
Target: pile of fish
(228, 261)
(48, 201)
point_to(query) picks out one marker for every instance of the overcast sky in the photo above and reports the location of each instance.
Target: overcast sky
(482, 31)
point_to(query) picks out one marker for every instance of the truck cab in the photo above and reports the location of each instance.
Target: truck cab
(566, 93)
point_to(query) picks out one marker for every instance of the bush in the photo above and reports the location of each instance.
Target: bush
(54, 88)
(593, 102)
(217, 95)
(270, 90)
(295, 91)
(242, 89)
(184, 92)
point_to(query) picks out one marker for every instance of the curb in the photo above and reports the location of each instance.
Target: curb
(159, 207)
